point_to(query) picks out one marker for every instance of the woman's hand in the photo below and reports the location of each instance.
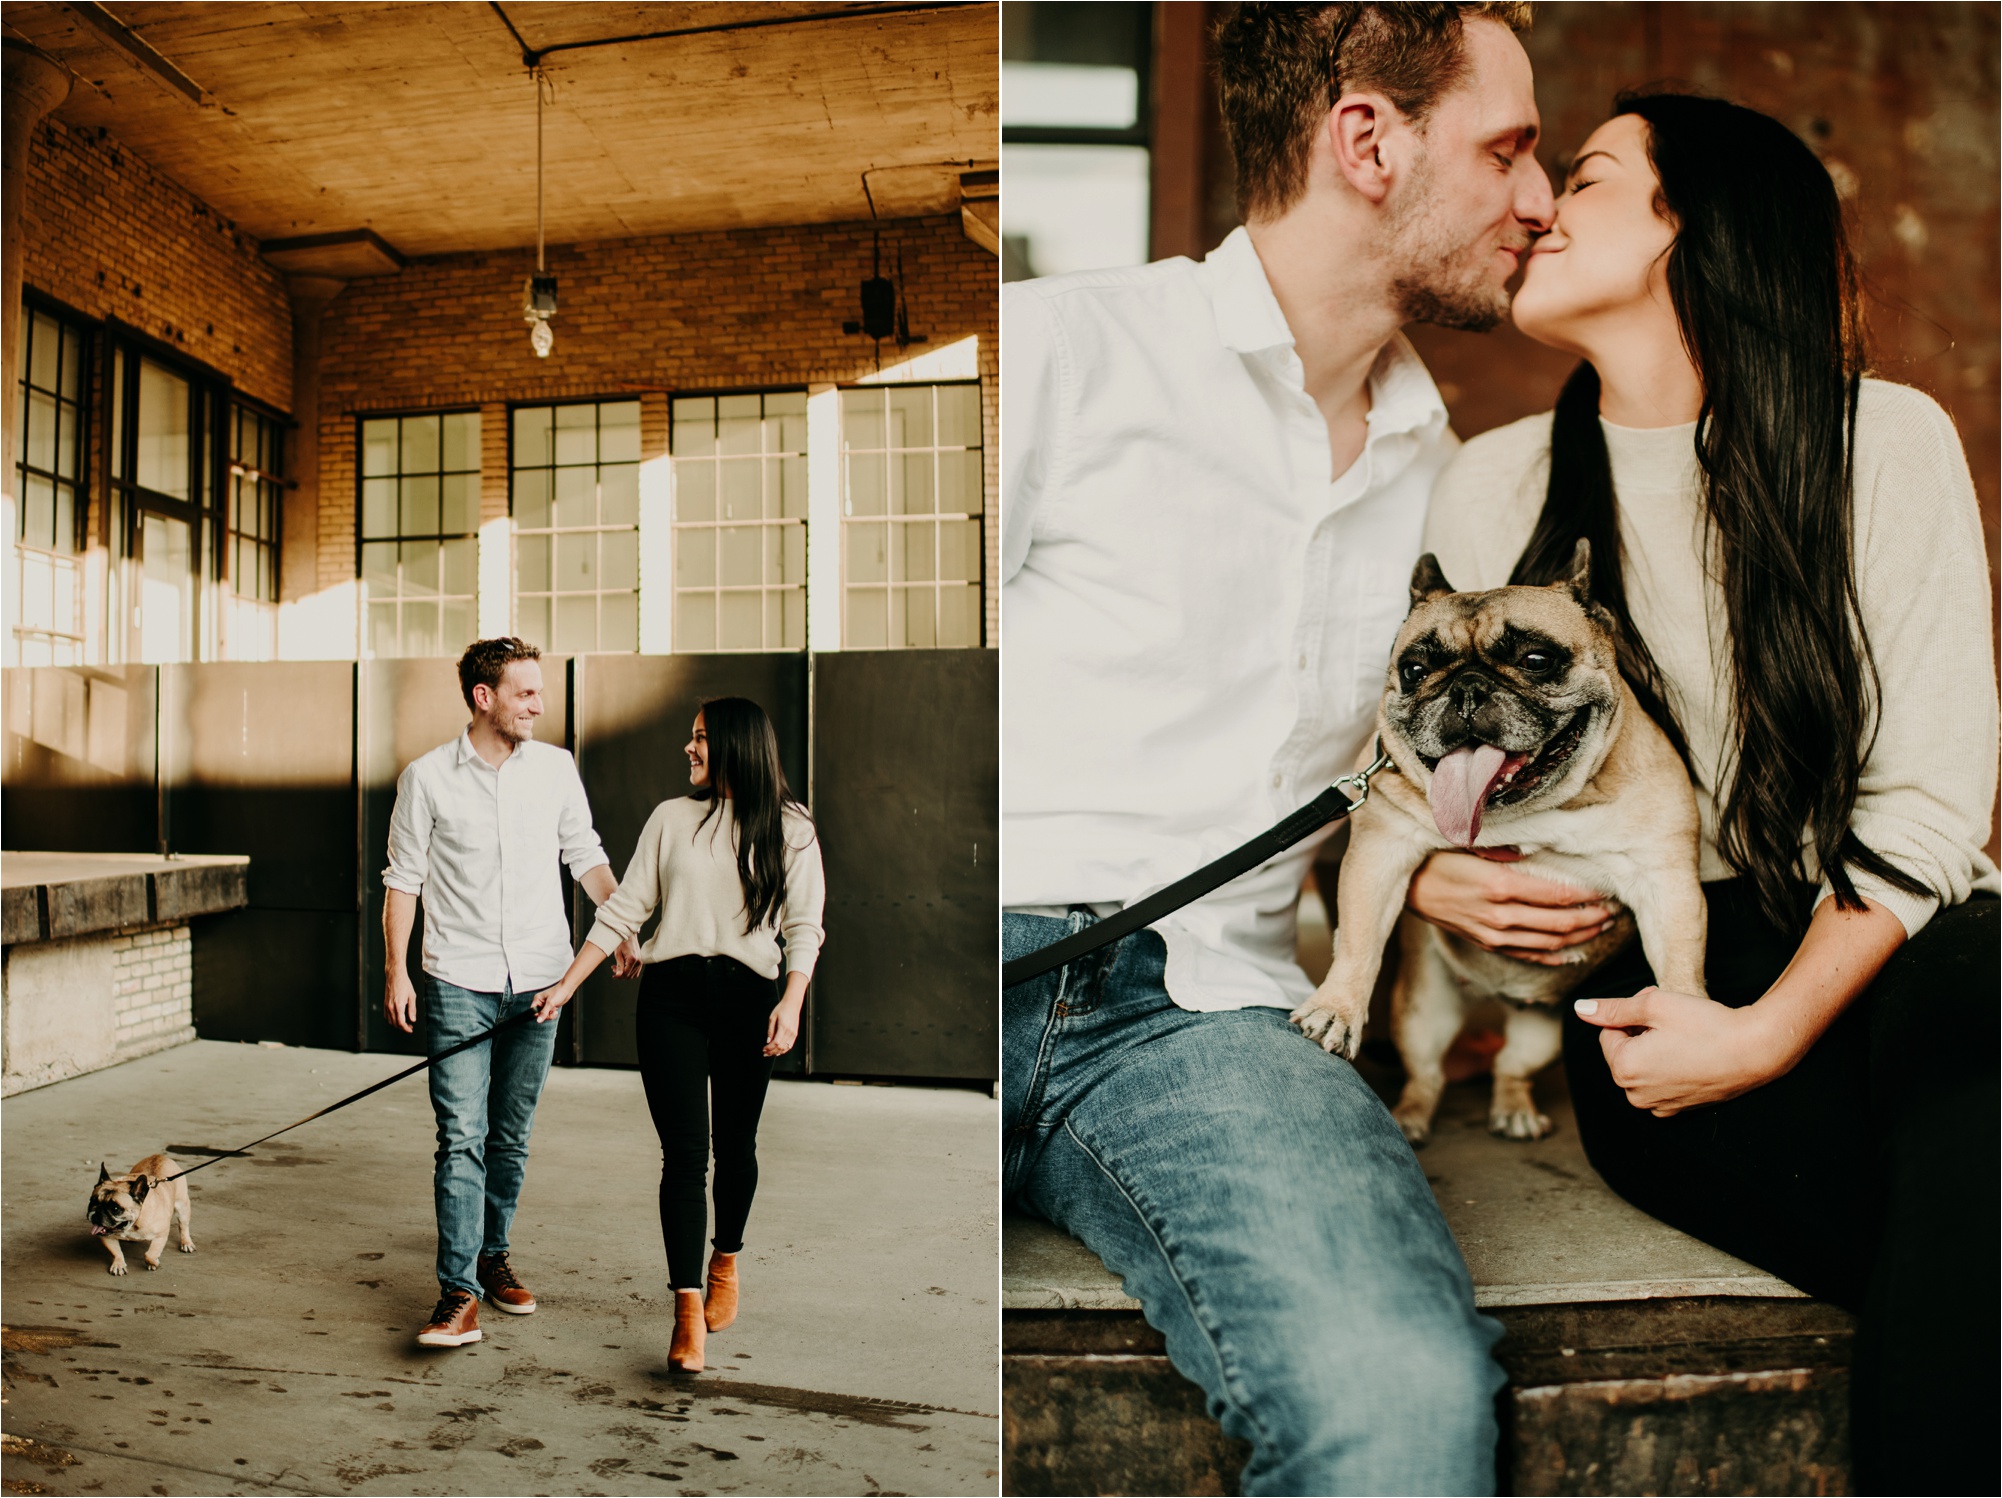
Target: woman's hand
(782, 1029)
(1669, 1051)
(626, 960)
(549, 1003)
(1496, 906)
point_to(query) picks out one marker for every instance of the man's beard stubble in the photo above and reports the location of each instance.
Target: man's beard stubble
(1446, 283)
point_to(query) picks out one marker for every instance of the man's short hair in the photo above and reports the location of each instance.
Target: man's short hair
(485, 660)
(1278, 77)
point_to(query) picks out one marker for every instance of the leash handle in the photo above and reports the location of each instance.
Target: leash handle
(1331, 805)
(355, 1097)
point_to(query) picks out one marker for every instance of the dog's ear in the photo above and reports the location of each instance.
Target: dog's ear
(1427, 581)
(1580, 580)
(103, 1172)
(140, 1188)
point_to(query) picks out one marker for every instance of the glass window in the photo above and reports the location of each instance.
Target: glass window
(1074, 136)
(250, 548)
(48, 470)
(740, 522)
(419, 515)
(911, 517)
(575, 492)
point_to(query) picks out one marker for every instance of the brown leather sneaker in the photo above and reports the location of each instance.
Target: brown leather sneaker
(504, 1291)
(454, 1322)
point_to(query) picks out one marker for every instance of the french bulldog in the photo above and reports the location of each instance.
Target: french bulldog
(139, 1206)
(1511, 734)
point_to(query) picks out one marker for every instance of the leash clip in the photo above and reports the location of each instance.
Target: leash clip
(1361, 778)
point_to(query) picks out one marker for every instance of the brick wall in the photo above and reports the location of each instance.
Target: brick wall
(743, 309)
(153, 973)
(109, 235)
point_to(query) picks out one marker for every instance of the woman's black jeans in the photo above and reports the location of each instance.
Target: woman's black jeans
(701, 1029)
(1866, 1176)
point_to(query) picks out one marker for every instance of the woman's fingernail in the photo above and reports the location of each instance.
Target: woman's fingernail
(1587, 1006)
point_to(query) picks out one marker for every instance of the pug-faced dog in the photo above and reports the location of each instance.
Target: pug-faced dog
(138, 1207)
(1512, 734)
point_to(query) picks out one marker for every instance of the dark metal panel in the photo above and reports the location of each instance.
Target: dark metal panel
(405, 709)
(906, 792)
(634, 716)
(79, 771)
(259, 760)
(272, 975)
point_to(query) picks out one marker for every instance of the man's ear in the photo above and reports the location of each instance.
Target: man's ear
(483, 704)
(1358, 129)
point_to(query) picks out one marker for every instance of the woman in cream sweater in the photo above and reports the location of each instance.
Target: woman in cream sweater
(1795, 558)
(733, 868)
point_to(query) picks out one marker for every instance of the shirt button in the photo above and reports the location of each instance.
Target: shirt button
(1276, 781)
(1303, 663)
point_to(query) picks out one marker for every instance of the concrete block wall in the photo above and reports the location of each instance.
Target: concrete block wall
(153, 986)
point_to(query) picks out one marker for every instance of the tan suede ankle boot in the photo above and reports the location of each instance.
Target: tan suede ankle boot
(685, 1352)
(719, 1306)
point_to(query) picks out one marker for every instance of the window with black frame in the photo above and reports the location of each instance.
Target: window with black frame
(575, 489)
(420, 521)
(50, 494)
(164, 436)
(255, 495)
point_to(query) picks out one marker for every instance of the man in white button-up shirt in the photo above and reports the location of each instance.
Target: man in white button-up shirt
(480, 828)
(1214, 488)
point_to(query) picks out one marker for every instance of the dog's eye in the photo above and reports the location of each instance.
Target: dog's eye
(1411, 673)
(1535, 660)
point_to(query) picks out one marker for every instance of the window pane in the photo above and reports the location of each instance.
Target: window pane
(531, 498)
(420, 506)
(792, 488)
(868, 618)
(695, 491)
(619, 432)
(919, 552)
(959, 416)
(959, 618)
(620, 557)
(378, 507)
(72, 382)
(619, 494)
(959, 550)
(65, 536)
(459, 503)
(619, 621)
(576, 495)
(739, 425)
(910, 417)
(46, 341)
(531, 556)
(456, 626)
(576, 564)
(695, 558)
(378, 447)
(695, 621)
(38, 513)
(862, 418)
(66, 443)
(378, 569)
(743, 491)
(382, 629)
(867, 554)
(461, 435)
(118, 413)
(420, 630)
(576, 624)
(959, 483)
(460, 561)
(865, 484)
(920, 618)
(741, 624)
(792, 555)
(531, 620)
(420, 444)
(694, 434)
(576, 434)
(741, 559)
(532, 444)
(419, 568)
(40, 451)
(912, 472)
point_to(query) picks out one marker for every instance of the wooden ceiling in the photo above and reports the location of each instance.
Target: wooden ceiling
(417, 121)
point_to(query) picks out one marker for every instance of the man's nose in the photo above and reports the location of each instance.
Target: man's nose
(1535, 204)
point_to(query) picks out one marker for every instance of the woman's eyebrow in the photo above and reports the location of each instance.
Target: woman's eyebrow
(1580, 161)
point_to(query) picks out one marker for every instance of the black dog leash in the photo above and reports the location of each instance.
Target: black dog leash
(1330, 806)
(356, 1097)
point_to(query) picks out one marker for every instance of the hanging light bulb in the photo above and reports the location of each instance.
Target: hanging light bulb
(538, 297)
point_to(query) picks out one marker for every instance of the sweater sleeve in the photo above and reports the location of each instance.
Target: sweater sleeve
(1485, 505)
(1926, 791)
(621, 917)
(805, 898)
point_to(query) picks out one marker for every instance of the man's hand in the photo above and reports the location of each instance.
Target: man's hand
(399, 1000)
(1669, 1051)
(1496, 906)
(626, 960)
(549, 1003)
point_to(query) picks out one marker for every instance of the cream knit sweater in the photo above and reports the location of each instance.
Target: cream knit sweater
(1928, 788)
(690, 872)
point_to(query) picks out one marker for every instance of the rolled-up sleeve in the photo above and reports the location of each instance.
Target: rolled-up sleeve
(620, 918)
(1031, 410)
(805, 900)
(582, 852)
(409, 835)
(1926, 791)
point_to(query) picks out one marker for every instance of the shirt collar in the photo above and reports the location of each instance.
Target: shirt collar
(1402, 395)
(468, 755)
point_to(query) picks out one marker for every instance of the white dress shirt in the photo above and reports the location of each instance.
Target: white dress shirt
(481, 846)
(1197, 614)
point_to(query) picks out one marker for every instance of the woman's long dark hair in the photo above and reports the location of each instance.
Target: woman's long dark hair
(1765, 291)
(744, 765)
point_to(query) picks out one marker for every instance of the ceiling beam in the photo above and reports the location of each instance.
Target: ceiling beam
(532, 56)
(121, 36)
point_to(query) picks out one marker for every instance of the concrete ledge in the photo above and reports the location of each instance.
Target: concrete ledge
(52, 896)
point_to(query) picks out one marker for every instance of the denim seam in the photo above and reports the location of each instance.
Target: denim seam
(1196, 1310)
(1039, 1074)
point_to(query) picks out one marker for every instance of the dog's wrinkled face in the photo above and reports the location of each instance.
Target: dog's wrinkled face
(114, 1202)
(1505, 698)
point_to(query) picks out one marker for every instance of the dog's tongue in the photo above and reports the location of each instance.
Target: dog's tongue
(1460, 783)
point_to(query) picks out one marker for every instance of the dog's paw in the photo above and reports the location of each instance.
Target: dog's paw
(186, 1247)
(1518, 1123)
(1414, 1123)
(1330, 1029)
(116, 1269)
(152, 1264)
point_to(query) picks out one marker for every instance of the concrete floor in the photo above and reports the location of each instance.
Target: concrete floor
(278, 1358)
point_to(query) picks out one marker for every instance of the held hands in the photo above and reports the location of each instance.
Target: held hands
(399, 1001)
(626, 960)
(782, 1029)
(1669, 1051)
(1502, 909)
(549, 1003)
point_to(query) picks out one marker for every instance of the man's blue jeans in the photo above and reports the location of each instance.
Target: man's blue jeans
(485, 1101)
(1258, 1200)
